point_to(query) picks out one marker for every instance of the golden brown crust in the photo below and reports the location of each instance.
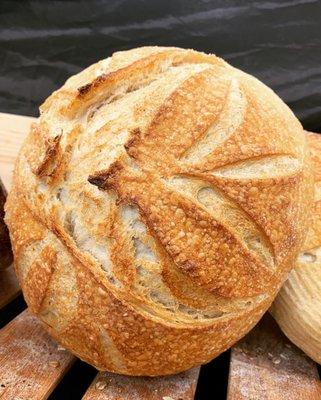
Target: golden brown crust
(171, 207)
(38, 278)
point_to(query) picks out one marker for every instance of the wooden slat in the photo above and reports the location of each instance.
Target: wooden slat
(31, 363)
(13, 130)
(265, 365)
(107, 386)
(9, 286)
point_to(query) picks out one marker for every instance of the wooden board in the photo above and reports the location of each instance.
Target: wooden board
(31, 363)
(13, 130)
(266, 366)
(107, 386)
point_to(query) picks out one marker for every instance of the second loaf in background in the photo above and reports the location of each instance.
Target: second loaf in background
(297, 308)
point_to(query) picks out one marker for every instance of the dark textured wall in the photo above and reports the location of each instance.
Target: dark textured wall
(43, 42)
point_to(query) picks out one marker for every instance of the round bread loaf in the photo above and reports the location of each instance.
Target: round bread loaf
(156, 208)
(297, 308)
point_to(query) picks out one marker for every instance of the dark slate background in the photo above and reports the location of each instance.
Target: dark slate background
(43, 42)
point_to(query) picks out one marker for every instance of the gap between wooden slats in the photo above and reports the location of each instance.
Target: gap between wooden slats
(265, 365)
(31, 364)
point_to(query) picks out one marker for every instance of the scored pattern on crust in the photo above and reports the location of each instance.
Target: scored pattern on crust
(128, 184)
(148, 191)
(228, 121)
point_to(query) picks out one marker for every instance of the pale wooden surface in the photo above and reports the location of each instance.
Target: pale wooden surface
(31, 364)
(266, 366)
(13, 129)
(107, 386)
